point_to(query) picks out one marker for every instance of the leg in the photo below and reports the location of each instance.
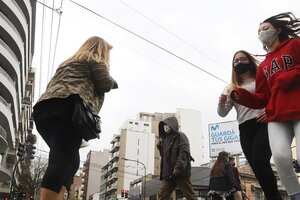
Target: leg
(184, 183)
(230, 197)
(247, 139)
(64, 149)
(166, 189)
(261, 163)
(281, 136)
(48, 194)
(216, 197)
(297, 136)
(61, 194)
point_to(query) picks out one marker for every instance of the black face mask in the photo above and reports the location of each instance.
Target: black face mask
(242, 68)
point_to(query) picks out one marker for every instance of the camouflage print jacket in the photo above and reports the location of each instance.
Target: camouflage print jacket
(88, 79)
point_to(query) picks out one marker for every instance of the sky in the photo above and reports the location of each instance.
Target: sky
(166, 54)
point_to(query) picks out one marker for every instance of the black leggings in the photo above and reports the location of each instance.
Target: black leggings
(255, 144)
(64, 143)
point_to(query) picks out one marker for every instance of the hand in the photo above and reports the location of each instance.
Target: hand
(262, 117)
(176, 171)
(222, 99)
(234, 95)
(158, 142)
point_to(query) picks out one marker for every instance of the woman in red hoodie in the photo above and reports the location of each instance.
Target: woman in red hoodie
(278, 89)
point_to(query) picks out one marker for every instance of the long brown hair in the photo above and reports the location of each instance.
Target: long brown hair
(93, 49)
(218, 168)
(236, 80)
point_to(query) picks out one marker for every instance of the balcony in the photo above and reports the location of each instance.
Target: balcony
(112, 177)
(115, 147)
(113, 166)
(5, 175)
(112, 187)
(115, 156)
(3, 142)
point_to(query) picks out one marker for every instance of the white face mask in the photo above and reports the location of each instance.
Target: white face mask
(267, 37)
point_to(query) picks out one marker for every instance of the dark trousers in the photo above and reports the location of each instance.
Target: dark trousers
(216, 197)
(64, 143)
(168, 186)
(255, 144)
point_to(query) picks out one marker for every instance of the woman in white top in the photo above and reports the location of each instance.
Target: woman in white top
(253, 129)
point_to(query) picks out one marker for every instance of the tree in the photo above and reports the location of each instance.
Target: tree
(32, 175)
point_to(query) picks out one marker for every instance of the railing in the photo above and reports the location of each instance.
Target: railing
(4, 73)
(9, 50)
(8, 105)
(11, 25)
(21, 11)
(3, 132)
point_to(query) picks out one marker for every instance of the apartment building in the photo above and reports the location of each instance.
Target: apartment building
(17, 27)
(91, 179)
(134, 155)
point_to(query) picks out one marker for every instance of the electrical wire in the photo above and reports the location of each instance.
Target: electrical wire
(58, 29)
(150, 42)
(42, 47)
(173, 34)
(51, 30)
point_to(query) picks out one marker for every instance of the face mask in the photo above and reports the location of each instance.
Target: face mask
(267, 37)
(242, 68)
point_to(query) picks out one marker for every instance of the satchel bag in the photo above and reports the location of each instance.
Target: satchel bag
(85, 121)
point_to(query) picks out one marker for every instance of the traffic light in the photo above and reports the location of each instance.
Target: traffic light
(21, 150)
(30, 149)
(126, 193)
(296, 166)
(22, 195)
(122, 193)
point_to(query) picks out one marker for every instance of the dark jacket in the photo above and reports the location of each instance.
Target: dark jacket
(178, 152)
(225, 182)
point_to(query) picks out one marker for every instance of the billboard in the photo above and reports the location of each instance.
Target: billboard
(224, 136)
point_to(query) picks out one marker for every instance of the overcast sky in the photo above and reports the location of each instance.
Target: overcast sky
(198, 35)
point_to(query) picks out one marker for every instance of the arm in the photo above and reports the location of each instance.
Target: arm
(159, 145)
(184, 153)
(102, 79)
(231, 176)
(225, 104)
(259, 99)
(289, 79)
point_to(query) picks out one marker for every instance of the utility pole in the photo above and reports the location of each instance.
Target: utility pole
(144, 191)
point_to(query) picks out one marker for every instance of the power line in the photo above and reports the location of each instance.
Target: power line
(51, 30)
(58, 10)
(148, 41)
(58, 29)
(171, 33)
(42, 44)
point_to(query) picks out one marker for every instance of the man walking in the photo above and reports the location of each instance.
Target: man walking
(175, 165)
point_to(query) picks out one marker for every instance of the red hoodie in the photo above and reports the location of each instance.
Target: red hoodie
(277, 83)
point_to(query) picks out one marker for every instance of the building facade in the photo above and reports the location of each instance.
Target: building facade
(134, 155)
(17, 28)
(92, 172)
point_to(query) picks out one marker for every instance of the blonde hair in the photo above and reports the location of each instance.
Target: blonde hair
(93, 49)
(236, 80)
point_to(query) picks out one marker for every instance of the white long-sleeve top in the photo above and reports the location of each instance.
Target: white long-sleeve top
(243, 113)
